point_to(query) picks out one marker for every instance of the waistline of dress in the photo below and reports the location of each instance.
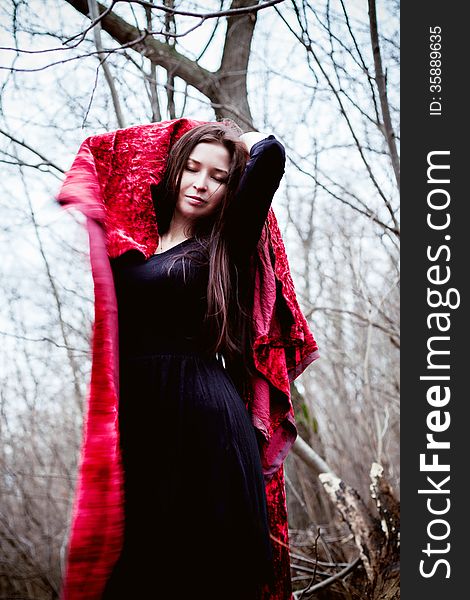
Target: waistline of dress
(172, 347)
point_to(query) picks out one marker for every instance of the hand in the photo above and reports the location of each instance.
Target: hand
(251, 137)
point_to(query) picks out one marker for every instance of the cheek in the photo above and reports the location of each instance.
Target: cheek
(218, 195)
(185, 180)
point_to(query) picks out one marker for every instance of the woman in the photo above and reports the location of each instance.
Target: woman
(180, 312)
(208, 327)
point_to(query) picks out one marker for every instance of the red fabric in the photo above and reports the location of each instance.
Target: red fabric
(109, 182)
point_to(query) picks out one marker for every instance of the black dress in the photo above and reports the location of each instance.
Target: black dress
(195, 506)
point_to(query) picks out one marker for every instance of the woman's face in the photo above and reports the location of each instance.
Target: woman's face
(203, 182)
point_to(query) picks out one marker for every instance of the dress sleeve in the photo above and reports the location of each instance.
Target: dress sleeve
(259, 182)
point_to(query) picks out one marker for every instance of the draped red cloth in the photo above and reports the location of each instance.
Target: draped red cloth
(109, 182)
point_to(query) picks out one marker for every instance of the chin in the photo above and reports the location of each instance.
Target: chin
(193, 212)
(199, 210)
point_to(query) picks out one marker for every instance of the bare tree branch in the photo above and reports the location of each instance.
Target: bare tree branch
(366, 211)
(157, 52)
(367, 321)
(173, 11)
(170, 30)
(45, 160)
(308, 44)
(208, 15)
(382, 86)
(93, 7)
(327, 582)
(43, 339)
(310, 457)
(152, 79)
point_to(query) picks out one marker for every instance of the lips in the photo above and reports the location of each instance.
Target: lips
(196, 199)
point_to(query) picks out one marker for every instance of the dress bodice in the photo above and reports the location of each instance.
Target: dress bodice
(162, 301)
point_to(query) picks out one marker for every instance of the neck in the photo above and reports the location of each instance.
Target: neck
(179, 229)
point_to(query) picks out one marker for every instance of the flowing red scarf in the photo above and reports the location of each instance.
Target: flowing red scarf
(109, 182)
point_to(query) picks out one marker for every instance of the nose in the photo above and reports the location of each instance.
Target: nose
(200, 183)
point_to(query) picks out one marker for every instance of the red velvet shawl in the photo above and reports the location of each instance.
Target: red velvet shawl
(109, 182)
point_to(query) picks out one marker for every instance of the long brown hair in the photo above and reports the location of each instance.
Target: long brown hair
(229, 290)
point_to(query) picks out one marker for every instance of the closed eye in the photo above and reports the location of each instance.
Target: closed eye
(217, 178)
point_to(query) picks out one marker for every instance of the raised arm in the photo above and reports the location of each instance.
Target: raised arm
(258, 184)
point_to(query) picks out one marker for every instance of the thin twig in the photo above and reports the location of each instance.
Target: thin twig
(305, 40)
(104, 11)
(210, 15)
(327, 582)
(43, 339)
(315, 548)
(45, 160)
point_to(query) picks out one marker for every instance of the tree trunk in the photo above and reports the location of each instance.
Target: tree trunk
(377, 539)
(226, 88)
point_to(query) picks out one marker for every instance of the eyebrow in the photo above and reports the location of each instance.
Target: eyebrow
(214, 168)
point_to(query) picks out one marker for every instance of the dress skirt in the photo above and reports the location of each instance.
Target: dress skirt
(195, 507)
